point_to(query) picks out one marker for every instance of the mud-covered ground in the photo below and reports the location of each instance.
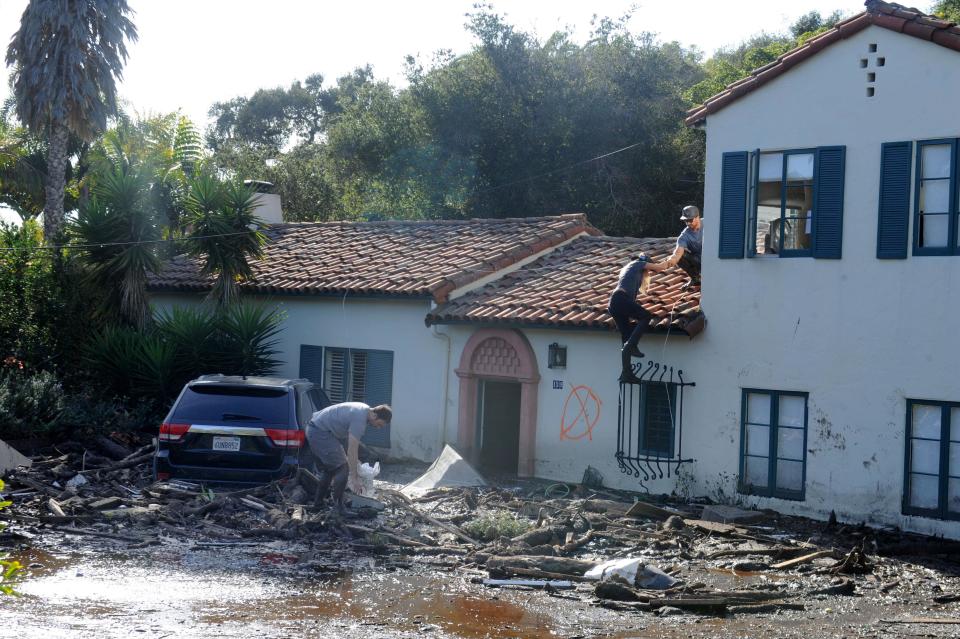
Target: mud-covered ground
(181, 583)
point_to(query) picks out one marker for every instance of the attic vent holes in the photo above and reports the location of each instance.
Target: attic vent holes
(881, 62)
(870, 92)
(871, 77)
(863, 63)
(873, 48)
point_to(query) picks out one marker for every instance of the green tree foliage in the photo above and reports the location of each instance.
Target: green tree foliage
(66, 58)
(167, 149)
(119, 227)
(44, 313)
(509, 129)
(728, 66)
(222, 221)
(947, 9)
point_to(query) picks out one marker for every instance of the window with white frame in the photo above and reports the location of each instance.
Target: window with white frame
(773, 443)
(782, 217)
(935, 220)
(932, 478)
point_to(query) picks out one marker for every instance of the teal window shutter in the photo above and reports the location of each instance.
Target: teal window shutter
(828, 202)
(733, 204)
(311, 363)
(893, 216)
(378, 389)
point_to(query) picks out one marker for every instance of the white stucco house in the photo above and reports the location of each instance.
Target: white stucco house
(826, 379)
(454, 323)
(832, 278)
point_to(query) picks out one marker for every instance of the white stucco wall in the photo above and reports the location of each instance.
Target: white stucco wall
(593, 365)
(860, 335)
(419, 357)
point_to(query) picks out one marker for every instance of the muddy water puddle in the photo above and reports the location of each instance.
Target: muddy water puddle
(232, 594)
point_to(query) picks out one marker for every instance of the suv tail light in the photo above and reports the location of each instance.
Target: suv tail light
(282, 437)
(173, 432)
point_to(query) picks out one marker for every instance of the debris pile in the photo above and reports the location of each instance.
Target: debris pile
(602, 546)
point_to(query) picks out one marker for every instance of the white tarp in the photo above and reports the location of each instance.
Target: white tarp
(10, 458)
(449, 470)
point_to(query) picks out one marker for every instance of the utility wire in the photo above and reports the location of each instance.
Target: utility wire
(55, 247)
(92, 245)
(561, 169)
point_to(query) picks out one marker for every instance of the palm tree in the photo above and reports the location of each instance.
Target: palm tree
(66, 59)
(167, 147)
(120, 228)
(223, 233)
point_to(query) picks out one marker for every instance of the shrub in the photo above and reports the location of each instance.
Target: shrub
(31, 403)
(37, 404)
(183, 344)
(490, 527)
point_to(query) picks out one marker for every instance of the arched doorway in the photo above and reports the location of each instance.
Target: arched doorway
(498, 371)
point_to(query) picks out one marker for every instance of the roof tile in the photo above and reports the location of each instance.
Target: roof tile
(410, 258)
(570, 286)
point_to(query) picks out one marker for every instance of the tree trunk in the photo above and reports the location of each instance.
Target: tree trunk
(56, 180)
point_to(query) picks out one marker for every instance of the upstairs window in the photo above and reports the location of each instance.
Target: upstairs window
(782, 220)
(785, 203)
(935, 219)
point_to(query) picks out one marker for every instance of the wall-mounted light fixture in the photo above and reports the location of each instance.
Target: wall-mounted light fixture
(557, 356)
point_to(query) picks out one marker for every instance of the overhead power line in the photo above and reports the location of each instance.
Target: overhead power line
(88, 246)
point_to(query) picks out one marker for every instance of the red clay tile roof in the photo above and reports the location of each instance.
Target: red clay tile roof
(882, 14)
(400, 258)
(569, 287)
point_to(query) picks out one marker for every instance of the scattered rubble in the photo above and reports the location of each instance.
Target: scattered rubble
(601, 546)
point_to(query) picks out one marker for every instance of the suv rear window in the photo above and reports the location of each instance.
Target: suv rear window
(240, 404)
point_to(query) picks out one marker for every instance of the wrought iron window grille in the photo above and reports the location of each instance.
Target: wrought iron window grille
(635, 454)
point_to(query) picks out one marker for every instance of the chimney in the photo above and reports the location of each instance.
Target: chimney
(268, 203)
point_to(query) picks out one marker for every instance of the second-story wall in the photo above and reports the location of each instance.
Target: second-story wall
(860, 335)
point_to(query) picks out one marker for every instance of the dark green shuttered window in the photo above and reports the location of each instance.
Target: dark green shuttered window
(893, 219)
(733, 203)
(352, 375)
(801, 193)
(828, 198)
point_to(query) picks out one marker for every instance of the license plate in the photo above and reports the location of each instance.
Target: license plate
(226, 443)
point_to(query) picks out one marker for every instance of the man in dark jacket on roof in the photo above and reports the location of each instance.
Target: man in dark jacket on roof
(625, 310)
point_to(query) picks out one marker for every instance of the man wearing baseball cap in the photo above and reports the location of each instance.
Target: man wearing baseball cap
(688, 249)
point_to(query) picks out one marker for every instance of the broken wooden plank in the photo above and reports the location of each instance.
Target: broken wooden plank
(938, 620)
(715, 527)
(36, 485)
(645, 509)
(404, 502)
(94, 533)
(542, 574)
(561, 565)
(804, 559)
(705, 605)
(55, 508)
(106, 503)
(126, 463)
(764, 608)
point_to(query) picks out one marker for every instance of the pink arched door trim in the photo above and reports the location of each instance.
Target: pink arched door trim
(503, 355)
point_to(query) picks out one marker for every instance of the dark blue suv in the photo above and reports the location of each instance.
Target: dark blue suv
(237, 429)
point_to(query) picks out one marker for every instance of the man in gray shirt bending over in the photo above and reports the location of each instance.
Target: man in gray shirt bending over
(334, 437)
